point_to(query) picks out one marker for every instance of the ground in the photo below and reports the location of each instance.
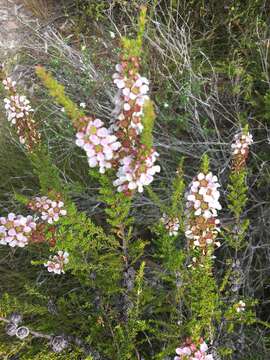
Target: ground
(14, 18)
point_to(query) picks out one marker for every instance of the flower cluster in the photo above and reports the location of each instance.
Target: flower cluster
(16, 230)
(133, 89)
(189, 351)
(9, 84)
(204, 196)
(241, 143)
(135, 163)
(57, 262)
(18, 110)
(50, 210)
(136, 172)
(240, 149)
(98, 142)
(171, 224)
(202, 205)
(17, 107)
(120, 146)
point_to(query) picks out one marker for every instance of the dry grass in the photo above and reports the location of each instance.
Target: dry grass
(40, 8)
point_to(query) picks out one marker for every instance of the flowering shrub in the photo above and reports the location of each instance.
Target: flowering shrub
(135, 286)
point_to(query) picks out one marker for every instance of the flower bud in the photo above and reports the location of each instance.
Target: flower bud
(11, 329)
(59, 343)
(22, 332)
(15, 318)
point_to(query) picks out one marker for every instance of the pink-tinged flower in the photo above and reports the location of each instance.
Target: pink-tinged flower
(197, 356)
(135, 166)
(136, 173)
(99, 144)
(171, 224)
(183, 351)
(203, 347)
(50, 210)
(16, 230)
(191, 351)
(57, 262)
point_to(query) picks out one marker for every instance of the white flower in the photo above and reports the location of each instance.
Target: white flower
(241, 306)
(112, 34)
(127, 107)
(200, 176)
(83, 105)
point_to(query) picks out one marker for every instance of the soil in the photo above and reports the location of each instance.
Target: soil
(14, 19)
